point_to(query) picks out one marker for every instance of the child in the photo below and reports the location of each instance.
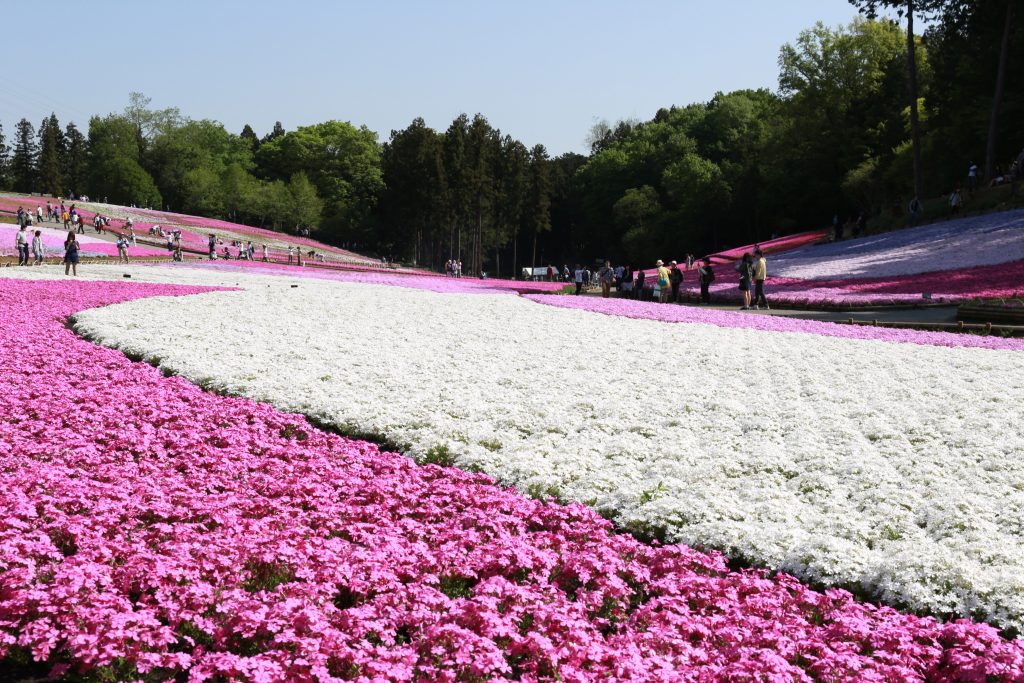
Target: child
(37, 247)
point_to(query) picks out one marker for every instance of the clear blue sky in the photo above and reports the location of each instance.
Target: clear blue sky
(542, 71)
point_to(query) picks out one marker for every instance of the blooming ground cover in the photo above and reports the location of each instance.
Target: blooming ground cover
(144, 219)
(690, 314)
(887, 467)
(978, 256)
(149, 528)
(53, 243)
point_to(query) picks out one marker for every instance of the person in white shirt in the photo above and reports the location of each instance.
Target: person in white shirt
(21, 241)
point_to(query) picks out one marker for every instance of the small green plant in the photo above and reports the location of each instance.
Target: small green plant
(439, 455)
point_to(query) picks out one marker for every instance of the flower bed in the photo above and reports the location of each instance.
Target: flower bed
(398, 277)
(53, 243)
(854, 462)
(150, 528)
(709, 316)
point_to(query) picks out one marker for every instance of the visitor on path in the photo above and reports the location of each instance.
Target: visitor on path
(122, 249)
(706, 275)
(39, 214)
(76, 220)
(551, 273)
(746, 270)
(914, 209)
(626, 282)
(605, 276)
(211, 242)
(675, 278)
(689, 261)
(71, 254)
(641, 277)
(760, 274)
(37, 247)
(227, 254)
(972, 177)
(21, 242)
(49, 211)
(291, 254)
(579, 278)
(265, 253)
(955, 202)
(252, 251)
(663, 282)
(565, 272)
(21, 217)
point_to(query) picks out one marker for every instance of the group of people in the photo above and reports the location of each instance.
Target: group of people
(453, 268)
(752, 269)
(27, 241)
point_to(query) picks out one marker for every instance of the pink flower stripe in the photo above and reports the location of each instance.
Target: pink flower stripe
(148, 528)
(991, 281)
(773, 246)
(53, 243)
(398, 278)
(708, 316)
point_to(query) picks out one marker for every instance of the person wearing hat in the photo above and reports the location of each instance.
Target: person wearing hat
(663, 282)
(675, 278)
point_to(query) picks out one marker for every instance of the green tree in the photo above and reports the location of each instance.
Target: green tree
(76, 161)
(909, 9)
(413, 208)
(538, 202)
(114, 171)
(52, 150)
(249, 136)
(23, 162)
(342, 161)
(306, 204)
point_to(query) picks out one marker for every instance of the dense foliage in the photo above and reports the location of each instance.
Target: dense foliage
(835, 139)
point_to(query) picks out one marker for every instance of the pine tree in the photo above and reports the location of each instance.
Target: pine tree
(23, 161)
(277, 132)
(75, 159)
(249, 135)
(49, 169)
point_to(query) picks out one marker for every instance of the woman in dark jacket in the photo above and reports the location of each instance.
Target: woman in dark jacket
(746, 270)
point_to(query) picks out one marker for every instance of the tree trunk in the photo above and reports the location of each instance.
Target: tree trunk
(515, 254)
(533, 259)
(915, 124)
(997, 99)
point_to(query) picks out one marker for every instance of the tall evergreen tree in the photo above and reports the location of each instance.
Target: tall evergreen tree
(277, 132)
(23, 163)
(249, 136)
(49, 162)
(76, 162)
(538, 208)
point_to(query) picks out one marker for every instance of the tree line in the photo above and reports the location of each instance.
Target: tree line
(865, 116)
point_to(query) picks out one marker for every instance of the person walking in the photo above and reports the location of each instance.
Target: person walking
(71, 254)
(37, 247)
(675, 278)
(746, 270)
(579, 279)
(626, 283)
(122, 249)
(706, 274)
(663, 282)
(21, 242)
(914, 208)
(641, 277)
(760, 274)
(39, 215)
(212, 244)
(956, 200)
(291, 254)
(605, 276)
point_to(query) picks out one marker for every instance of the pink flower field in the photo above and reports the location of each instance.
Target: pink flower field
(150, 529)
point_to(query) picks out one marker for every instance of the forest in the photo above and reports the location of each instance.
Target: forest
(864, 117)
